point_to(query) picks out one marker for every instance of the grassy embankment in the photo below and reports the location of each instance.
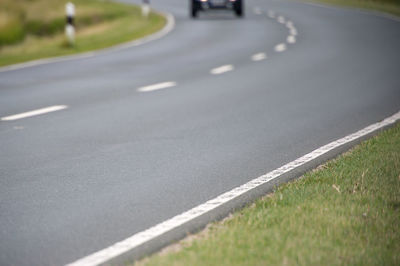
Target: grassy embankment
(34, 29)
(387, 6)
(347, 212)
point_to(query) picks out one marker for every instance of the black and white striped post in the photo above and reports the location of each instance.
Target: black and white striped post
(146, 8)
(69, 27)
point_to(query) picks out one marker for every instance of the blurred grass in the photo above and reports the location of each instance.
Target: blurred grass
(33, 29)
(387, 6)
(347, 212)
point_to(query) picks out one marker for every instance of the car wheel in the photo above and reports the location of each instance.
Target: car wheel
(239, 8)
(194, 10)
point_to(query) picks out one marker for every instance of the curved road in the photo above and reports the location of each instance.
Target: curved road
(123, 157)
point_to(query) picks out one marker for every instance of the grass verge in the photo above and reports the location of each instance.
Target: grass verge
(345, 212)
(34, 29)
(387, 6)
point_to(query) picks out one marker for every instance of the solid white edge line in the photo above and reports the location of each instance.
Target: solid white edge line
(258, 57)
(138, 239)
(34, 112)
(280, 47)
(221, 69)
(170, 25)
(158, 86)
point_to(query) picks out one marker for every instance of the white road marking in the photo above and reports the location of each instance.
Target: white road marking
(291, 39)
(280, 48)
(140, 238)
(221, 69)
(257, 11)
(281, 19)
(259, 57)
(158, 86)
(271, 14)
(34, 112)
(289, 24)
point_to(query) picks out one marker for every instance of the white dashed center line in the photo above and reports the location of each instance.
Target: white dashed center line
(280, 48)
(291, 39)
(281, 19)
(259, 57)
(34, 112)
(221, 69)
(158, 86)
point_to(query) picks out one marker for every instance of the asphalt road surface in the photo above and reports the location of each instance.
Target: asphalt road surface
(234, 99)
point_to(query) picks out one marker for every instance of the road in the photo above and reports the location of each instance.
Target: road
(239, 100)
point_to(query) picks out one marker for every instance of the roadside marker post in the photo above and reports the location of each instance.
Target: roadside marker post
(69, 27)
(146, 8)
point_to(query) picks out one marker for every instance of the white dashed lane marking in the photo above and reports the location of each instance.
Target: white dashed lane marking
(158, 86)
(221, 69)
(280, 48)
(259, 57)
(34, 112)
(291, 39)
(289, 24)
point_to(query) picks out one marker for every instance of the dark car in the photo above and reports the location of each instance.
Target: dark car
(204, 5)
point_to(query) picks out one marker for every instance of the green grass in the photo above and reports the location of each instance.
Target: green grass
(34, 29)
(387, 6)
(347, 212)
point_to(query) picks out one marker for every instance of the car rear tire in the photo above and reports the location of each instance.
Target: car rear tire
(194, 10)
(239, 10)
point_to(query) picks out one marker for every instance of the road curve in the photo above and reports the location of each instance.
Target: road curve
(134, 137)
